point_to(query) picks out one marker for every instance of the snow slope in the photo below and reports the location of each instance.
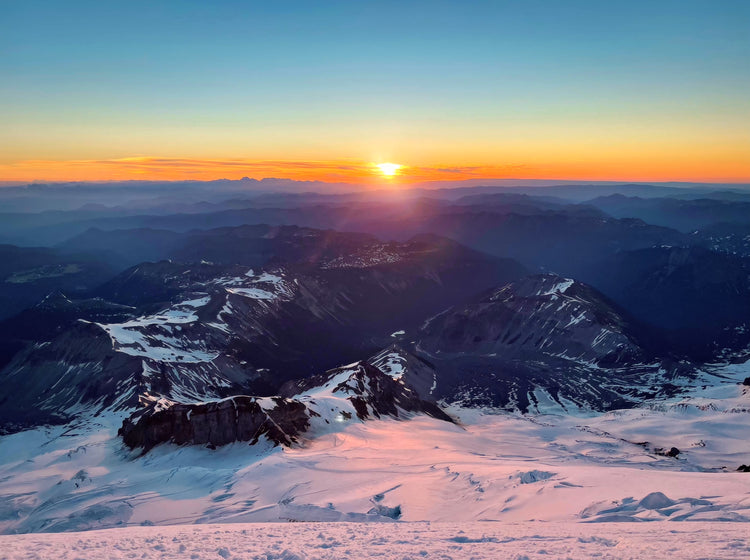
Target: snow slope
(492, 467)
(162, 337)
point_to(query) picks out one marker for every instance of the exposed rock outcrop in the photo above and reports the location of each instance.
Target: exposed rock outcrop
(239, 418)
(371, 392)
(359, 390)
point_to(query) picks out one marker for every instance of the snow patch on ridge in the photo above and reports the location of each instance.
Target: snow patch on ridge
(264, 286)
(157, 336)
(253, 293)
(161, 337)
(559, 287)
(393, 364)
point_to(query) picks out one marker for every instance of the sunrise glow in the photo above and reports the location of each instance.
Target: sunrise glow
(388, 169)
(552, 96)
(524, 225)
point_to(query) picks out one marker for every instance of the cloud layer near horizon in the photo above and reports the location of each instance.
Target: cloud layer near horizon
(161, 168)
(331, 171)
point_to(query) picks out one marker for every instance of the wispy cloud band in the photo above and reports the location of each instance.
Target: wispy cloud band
(206, 169)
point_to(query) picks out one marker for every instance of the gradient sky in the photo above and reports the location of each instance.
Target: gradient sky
(622, 90)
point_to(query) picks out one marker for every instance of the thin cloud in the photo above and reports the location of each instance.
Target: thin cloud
(166, 168)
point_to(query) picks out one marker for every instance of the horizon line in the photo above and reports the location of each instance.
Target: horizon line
(388, 185)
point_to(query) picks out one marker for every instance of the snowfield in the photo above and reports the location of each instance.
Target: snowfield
(160, 337)
(490, 486)
(396, 541)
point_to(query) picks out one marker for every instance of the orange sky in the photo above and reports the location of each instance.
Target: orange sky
(616, 91)
(709, 168)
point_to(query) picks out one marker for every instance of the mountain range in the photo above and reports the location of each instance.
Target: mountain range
(208, 329)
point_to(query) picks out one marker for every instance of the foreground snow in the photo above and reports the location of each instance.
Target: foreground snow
(402, 541)
(490, 467)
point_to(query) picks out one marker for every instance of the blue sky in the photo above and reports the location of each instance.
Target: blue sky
(301, 78)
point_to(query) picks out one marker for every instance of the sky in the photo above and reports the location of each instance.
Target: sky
(318, 90)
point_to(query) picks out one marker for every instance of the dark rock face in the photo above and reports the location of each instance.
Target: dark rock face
(28, 274)
(671, 452)
(542, 332)
(385, 511)
(238, 418)
(533, 317)
(414, 371)
(695, 299)
(281, 419)
(371, 392)
(46, 380)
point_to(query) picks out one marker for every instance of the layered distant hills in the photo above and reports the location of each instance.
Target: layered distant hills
(501, 298)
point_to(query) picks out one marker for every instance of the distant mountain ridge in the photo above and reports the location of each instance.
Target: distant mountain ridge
(543, 336)
(204, 330)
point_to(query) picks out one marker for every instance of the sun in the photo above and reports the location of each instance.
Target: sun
(388, 169)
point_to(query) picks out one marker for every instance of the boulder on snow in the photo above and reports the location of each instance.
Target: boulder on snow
(671, 452)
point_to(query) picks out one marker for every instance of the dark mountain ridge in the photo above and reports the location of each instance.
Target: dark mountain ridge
(541, 333)
(206, 330)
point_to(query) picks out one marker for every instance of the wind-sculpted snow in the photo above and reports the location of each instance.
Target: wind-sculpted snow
(658, 507)
(501, 467)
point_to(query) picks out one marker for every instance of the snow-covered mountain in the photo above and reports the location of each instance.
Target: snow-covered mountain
(202, 331)
(314, 406)
(540, 341)
(541, 315)
(209, 389)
